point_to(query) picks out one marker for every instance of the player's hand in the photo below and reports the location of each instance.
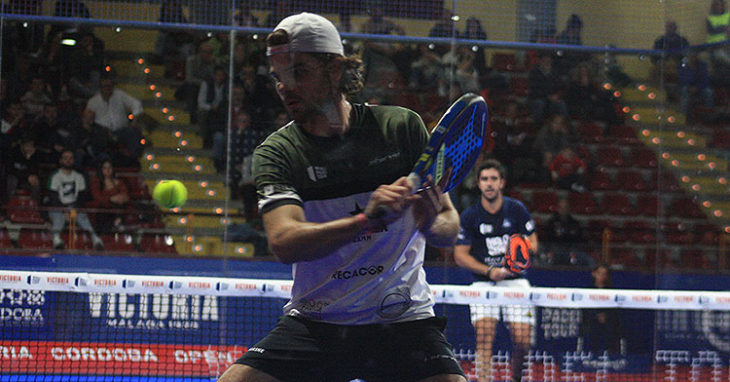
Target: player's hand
(426, 204)
(388, 201)
(500, 273)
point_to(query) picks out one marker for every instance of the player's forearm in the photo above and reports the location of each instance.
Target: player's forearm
(443, 231)
(465, 260)
(306, 241)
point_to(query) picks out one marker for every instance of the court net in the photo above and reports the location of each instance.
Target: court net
(104, 327)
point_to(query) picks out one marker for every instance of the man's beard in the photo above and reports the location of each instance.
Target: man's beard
(488, 199)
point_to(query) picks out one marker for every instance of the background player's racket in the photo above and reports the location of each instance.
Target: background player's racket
(454, 146)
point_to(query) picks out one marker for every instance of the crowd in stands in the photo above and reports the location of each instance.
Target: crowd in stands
(62, 110)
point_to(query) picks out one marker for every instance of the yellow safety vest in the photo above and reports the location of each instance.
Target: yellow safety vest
(716, 21)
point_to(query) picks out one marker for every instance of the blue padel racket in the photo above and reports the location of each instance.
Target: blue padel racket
(454, 146)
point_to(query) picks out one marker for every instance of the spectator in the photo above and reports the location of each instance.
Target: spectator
(602, 330)
(376, 55)
(553, 136)
(259, 97)
(243, 17)
(112, 108)
(95, 142)
(587, 100)
(23, 171)
(444, 27)
(281, 10)
(212, 105)
(67, 187)
(86, 67)
(244, 139)
(53, 60)
(462, 62)
(571, 35)
(671, 46)
(544, 87)
(54, 135)
(13, 124)
(71, 8)
(172, 45)
(512, 135)
(110, 193)
(564, 238)
(694, 84)
(199, 68)
(718, 24)
(568, 170)
(36, 97)
(427, 71)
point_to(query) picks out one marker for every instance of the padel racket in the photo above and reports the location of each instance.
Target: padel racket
(454, 146)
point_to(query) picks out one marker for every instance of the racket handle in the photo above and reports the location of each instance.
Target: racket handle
(414, 181)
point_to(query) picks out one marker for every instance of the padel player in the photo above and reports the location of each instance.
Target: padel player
(360, 305)
(485, 230)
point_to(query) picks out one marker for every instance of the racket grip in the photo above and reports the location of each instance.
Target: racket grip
(414, 181)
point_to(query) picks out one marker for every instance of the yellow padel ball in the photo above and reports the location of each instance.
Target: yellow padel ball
(170, 193)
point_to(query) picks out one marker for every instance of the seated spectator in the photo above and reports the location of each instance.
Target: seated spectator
(67, 187)
(378, 56)
(212, 105)
(553, 136)
(172, 46)
(13, 124)
(427, 71)
(568, 170)
(54, 135)
(199, 68)
(244, 139)
(86, 66)
(36, 97)
(23, 170)
(259, 98)
(587, 100)
(672, 46)
(694, 84)
(108, 192)
(512, 135)
(112, 107)
(95, 142)
(464, 68)
(564, 238)
(571, 35)
(543, 94)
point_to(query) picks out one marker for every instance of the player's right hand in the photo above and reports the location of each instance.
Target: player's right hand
(388, 201)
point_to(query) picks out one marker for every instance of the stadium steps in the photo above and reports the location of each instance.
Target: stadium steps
(173, 151)
(684, 149)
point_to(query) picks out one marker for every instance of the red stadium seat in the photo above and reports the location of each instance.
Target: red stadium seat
(24, 210)
(642, 157)
(685, 206)
(591, 132)
(35, 239)
(640, 232)
(721, 138)
(505, 62)
(708, 234)
(646, 204)
(623, 134)
(618, 204)
(668, 182)
(519, 86)
(610, 156)
(601, 181)
(583, 203)
(624, 257)
(678, 233)
(156, 243)
(118, 242)
(631, 180)
(544, 201)
(5, 239)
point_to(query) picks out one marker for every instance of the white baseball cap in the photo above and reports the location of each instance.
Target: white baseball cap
(308, 33)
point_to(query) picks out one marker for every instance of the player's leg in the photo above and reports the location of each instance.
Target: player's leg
(485, 328)
(521, 333)
(245, 373)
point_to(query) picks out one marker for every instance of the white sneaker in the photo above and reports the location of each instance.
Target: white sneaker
(58, 242)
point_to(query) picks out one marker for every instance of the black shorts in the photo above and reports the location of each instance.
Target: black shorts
(299, 350)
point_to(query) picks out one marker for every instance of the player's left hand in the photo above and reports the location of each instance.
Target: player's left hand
(426, 204)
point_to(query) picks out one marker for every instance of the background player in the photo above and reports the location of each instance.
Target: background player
(480, 247)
